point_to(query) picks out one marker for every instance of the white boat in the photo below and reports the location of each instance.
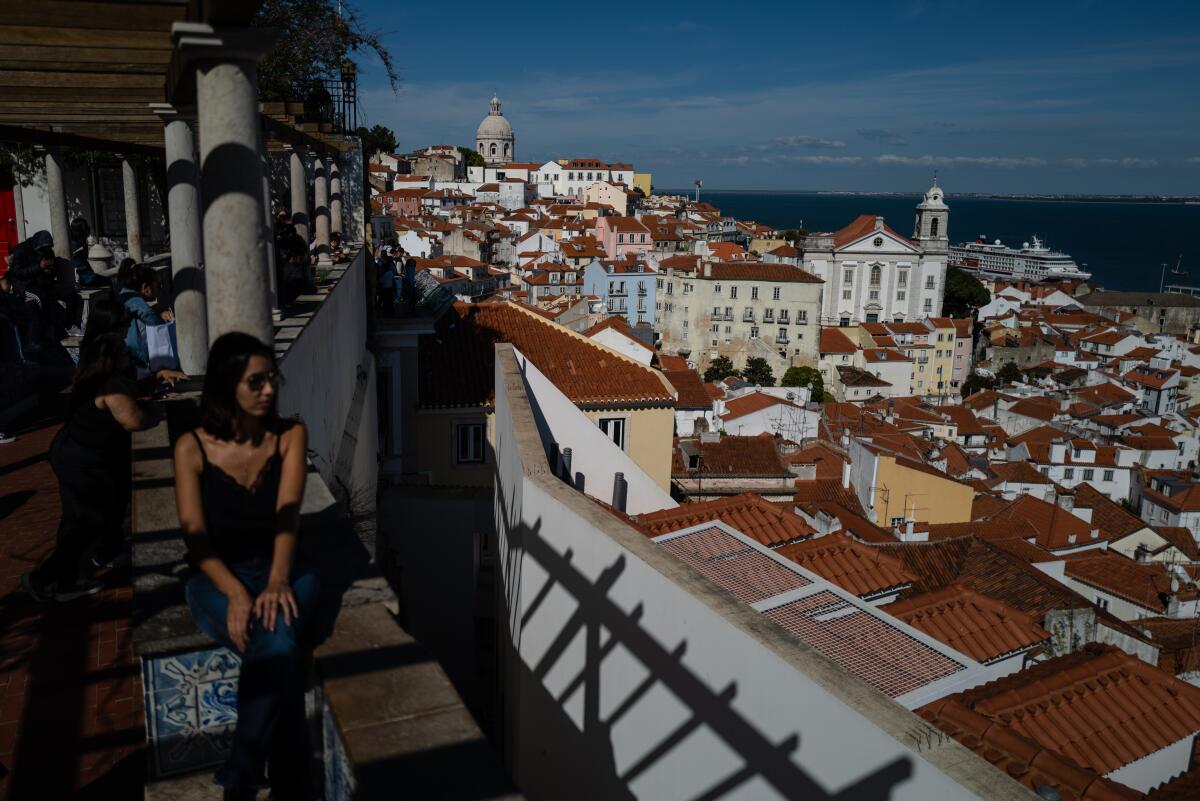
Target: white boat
(1033, 262)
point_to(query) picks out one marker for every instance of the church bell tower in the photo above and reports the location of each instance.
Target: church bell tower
(933, 220)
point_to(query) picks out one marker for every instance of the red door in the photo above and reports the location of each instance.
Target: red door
(8, 220)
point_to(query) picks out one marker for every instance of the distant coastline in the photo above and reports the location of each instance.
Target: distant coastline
(1162, 199)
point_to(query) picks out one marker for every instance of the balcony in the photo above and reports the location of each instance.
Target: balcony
(748, 317)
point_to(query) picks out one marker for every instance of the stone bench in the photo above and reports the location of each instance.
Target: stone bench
(382, 707)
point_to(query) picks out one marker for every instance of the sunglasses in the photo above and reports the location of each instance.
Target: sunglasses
(257, 381)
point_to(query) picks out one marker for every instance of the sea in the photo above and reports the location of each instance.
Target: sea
(1123, 244)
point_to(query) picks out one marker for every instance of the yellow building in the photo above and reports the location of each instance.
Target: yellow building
(896, 488)
(643, 181)
(942, 357)
(632, 403)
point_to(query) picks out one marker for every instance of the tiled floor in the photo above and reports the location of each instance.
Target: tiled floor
(70, 688)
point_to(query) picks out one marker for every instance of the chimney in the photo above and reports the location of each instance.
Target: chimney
(1066, 502)
(878, 223)
(845, 438)
(707, 269)
(908, 530)
(1095, 533)
(1071, 539)
(846, 474)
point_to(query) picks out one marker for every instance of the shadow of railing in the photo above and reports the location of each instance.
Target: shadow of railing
(605, 626)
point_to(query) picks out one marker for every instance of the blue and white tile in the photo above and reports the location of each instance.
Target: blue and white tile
(191, 703)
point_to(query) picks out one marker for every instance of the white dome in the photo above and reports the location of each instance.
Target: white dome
(494, 127)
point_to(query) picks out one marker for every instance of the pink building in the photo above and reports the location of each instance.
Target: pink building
(621, 236)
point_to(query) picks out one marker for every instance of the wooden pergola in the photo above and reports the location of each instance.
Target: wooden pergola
(83, 73)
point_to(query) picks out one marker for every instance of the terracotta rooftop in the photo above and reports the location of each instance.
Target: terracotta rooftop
(1185, 787)
(827, 461)
(1021, 757)
(863, 225)
(834, 341)
(689, 385)
(1099, 707)
(856, 568)
(730, 456)
(456, 362)
(1056, 527)
(620, 324)
(1016, 473)
(771, 524)
(980, 627)
(827, 490)
(987, 569)
(753, 402)
(1147, 585)
(1113, 519)
(758, 271)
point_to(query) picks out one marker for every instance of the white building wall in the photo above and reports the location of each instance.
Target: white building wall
(576, 724)
(1154, 769)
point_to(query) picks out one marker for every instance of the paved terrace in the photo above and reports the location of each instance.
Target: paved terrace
(71, 708)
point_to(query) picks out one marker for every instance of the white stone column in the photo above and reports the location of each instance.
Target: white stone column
(335, 197)
(237, 278)
(18, 203)
(183, 219)
(321, 210)
(272, 274)
(56, 195)
(133, 214)
(299, 185)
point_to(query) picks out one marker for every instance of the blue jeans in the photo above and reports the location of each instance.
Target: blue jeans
(271, 733)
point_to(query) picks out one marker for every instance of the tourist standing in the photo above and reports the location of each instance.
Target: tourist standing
(239, 483)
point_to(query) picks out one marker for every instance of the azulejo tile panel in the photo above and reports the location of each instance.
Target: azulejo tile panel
(339, 775)
(191, 708)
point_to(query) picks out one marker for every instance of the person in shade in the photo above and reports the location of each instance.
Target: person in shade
(90, 456)
(139, 293)
(239, 483)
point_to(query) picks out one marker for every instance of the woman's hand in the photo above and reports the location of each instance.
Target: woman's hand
(167, 316)
(277, 595)
(237, 622)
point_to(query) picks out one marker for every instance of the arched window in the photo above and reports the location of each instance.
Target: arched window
(875, 275)
(493, 150)
(481, 147)
(507, 149)
(933, 226)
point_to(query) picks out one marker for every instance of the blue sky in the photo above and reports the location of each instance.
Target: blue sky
(1065, 96)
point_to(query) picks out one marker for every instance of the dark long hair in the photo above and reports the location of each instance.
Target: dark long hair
(227, 360)
(106, 315)
(99, 359)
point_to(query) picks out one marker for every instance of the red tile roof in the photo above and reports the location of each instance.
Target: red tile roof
(760, 271)
(834, 341)
(827, 461)
(1147, 585)
(1113, 519)
(980, 627)
(858, 569)
(732, 456)
(1056, 527)
(1099, 707)
(1021, 757)
(456, 362)
(620, 324)
(1185, 787)
(753, 402)
(692, 394)
(863, 225)
(827, 490)
(771, 524)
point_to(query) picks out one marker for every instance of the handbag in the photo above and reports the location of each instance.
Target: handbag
(162, 347)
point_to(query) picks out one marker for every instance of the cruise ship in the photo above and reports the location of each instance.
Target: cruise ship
(1033, 262)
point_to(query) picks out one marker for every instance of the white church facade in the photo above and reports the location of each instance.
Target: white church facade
(874, 274)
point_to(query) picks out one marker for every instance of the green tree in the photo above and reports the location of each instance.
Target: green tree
(376, 139)
(793, 235)
(758, 372)
(974, 383)
(805, 377)
(720, 368)
(964, 293)
(314, 41)
(472, 158)
(1010, 373)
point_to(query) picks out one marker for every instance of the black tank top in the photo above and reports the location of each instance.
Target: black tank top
(241, 521)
